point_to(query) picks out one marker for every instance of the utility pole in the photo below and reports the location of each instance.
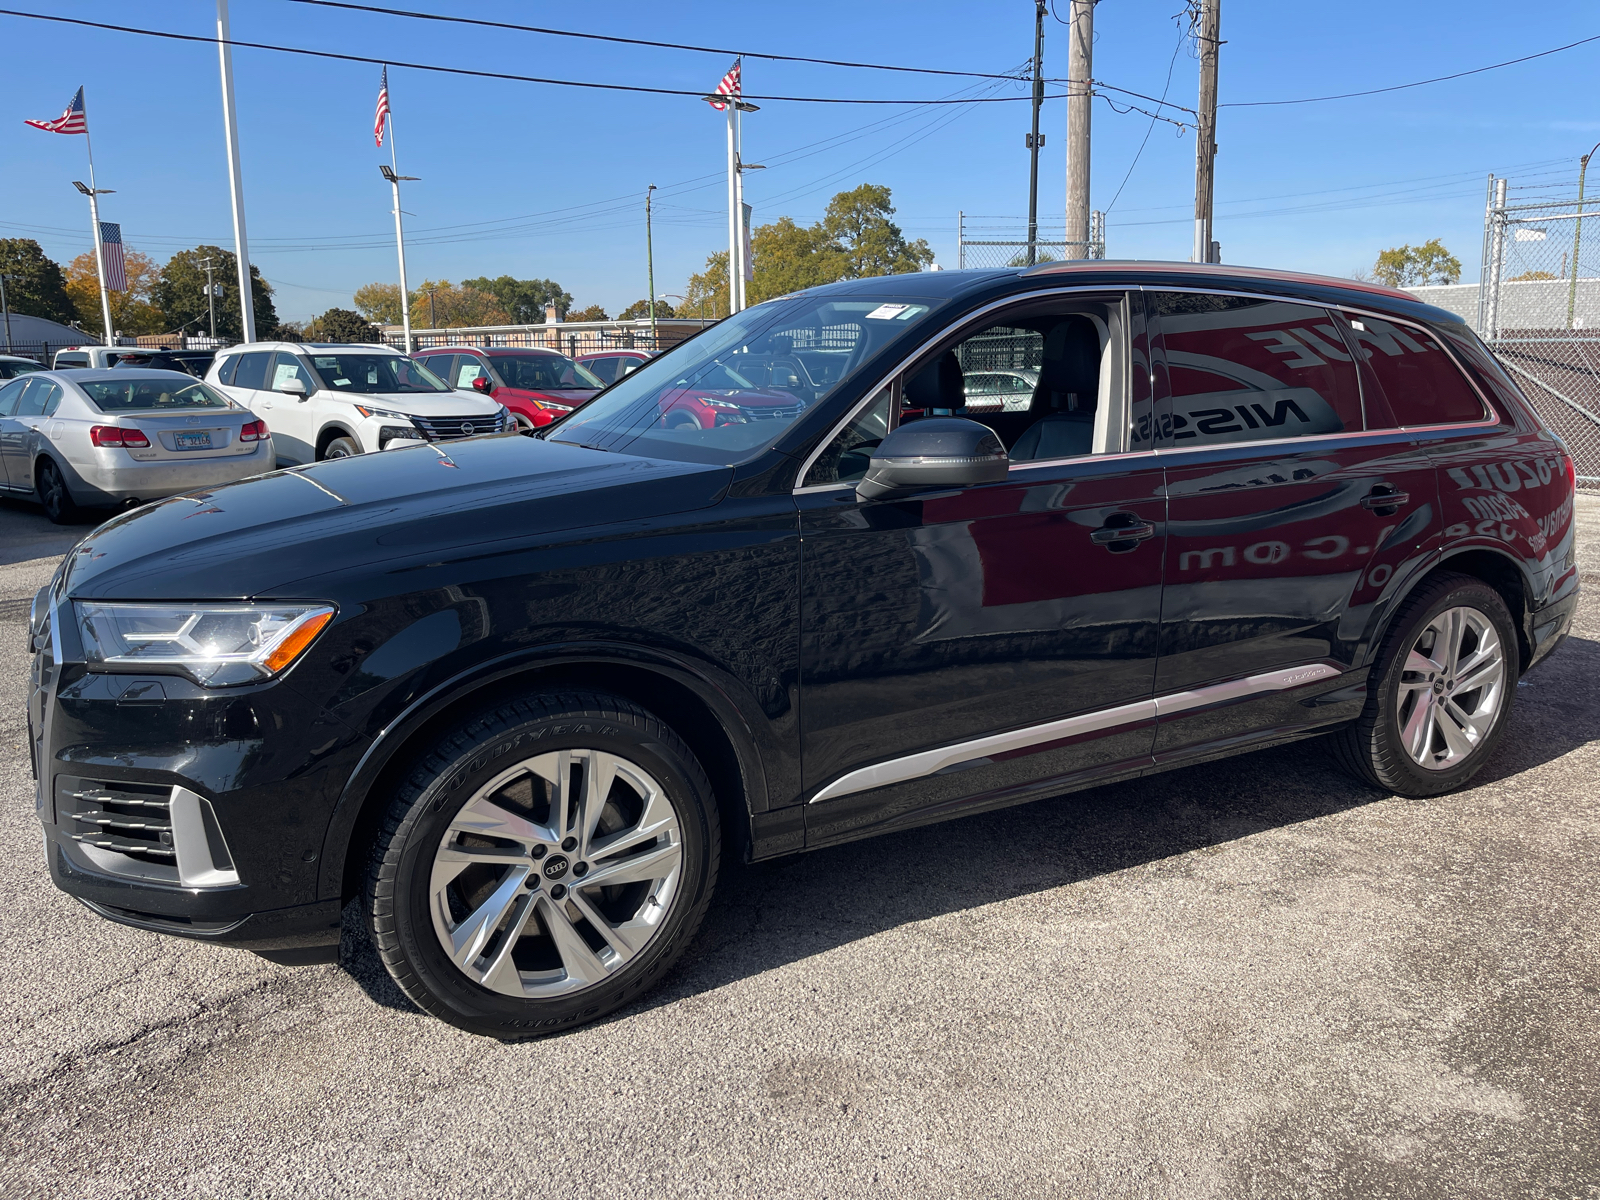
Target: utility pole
(99, 246)
(1209, 36)
(5, 308)
(1080, 98)
(1036, 139)
(241, 246)
(211, 293)
(650, 267)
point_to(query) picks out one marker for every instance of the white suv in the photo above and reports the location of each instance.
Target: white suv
(333, 401)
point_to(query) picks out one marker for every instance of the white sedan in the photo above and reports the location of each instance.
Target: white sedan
(106, 438)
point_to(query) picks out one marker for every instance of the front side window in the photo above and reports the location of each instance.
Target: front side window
(1244, 370)
(469, 367)
(544, 373)
(145, 393)
(372, 374)
(1417, 381)
(848, 454)
(286, 367)
(704, 401)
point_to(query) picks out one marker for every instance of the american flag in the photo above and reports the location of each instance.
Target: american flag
(383, 109)
(111, 247)
(729, 86)
(71, 121)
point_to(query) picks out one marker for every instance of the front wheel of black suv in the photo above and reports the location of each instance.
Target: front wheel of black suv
(543, 865)
(1441, 690)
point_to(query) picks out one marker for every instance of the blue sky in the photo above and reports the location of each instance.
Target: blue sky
(535, 180)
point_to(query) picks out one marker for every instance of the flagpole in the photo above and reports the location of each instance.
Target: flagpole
(399, 231)
(241, 247)
(738, 189)
(733, 207)
(94, 220)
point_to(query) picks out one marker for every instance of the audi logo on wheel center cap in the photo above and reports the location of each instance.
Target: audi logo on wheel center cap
(555, 866)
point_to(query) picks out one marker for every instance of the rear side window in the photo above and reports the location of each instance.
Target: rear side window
(1418, 383)
(9, 395)
(1242, 370)
(33, 398)
(252, 370)
(604, 369)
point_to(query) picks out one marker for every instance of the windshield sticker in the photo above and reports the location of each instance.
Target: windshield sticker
(888, 312)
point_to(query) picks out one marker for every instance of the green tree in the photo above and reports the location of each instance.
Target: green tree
(639, 310)
(180, 293)
(339, 325)
(35, 285)
(1417, 266)
(379, 302)
(593, 313)
(524, 300)
(706, 294)
(790, 257)
(857, 225)
(442, 305)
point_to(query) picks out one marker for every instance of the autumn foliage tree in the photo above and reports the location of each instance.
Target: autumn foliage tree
(132, 313)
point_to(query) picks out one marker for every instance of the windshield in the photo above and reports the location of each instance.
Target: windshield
(374, 373)
(141, 393)
(727, 394)
(10, 370)
(543, 373)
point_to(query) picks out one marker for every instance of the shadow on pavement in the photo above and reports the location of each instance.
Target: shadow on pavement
(28, 533)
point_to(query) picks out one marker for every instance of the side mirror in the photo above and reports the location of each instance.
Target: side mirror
(943, 452)
(483, 384)
(293, 387)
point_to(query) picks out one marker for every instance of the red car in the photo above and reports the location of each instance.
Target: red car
(611, 365)
(535, 384)
(720, 395)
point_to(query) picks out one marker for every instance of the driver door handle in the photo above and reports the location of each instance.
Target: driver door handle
(1385, 500)
(1122, 528)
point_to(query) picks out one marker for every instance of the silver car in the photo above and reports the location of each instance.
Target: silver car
(103, 438)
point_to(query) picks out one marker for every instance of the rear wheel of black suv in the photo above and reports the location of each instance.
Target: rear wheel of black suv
(1441, 690)
(543, 865)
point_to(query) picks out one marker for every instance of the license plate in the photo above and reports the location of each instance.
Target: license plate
(192, 441)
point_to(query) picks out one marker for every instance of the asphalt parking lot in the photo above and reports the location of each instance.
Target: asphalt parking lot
(1253, 979)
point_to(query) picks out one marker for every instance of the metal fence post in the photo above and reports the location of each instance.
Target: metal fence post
(1483, 258)
(1497, 257)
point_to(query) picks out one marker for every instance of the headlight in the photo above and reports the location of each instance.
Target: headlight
(380, 412)
(552, 406)
(216, 645)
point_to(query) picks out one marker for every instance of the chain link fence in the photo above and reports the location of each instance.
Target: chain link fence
(1540, 313)
(986, 242)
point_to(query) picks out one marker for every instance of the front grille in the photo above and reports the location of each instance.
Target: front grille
(447, 429)
(783, 412)
(144, 831)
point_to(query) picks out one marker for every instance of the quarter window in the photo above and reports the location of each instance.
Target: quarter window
(225, 369)
(252, 370)
(1418, 381)
(9, 396)
(1242, 370)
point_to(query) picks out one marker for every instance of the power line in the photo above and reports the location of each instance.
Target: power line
(627, 41)
(1171, 66)
(1400, 87)
(393, 62)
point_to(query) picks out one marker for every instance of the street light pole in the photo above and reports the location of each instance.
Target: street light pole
(99, 247)
(650, 267)
(400, 240)
(211, 293)
(241, 246)
(1577, 234)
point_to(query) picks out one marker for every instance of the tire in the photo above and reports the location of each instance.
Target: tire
(58, 503)
(476, 905)
(526, 427)
(342, 447)
(1422, 733)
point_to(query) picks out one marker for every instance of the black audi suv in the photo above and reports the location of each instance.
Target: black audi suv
(521, 695)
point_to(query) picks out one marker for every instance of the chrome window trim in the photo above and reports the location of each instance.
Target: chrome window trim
(931, 762)
(888, 376)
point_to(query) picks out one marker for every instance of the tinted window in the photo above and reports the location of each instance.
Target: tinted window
(603, 369)
(252, 370)
(1418, 381)
(68, 361)
(11, 370)
(374, 374)
(47, 395)
(541, 372)
(225, 369)
(849, 454)
(1240, 370)
(163, 393)
(9, 395)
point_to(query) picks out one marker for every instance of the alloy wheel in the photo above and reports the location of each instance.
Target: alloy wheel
(556, 873)
(1452, 688)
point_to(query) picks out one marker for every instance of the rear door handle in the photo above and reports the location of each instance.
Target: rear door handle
(1384, 500)
(1122, 532)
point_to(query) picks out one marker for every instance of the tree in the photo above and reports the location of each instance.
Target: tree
(789, 258)
(379, 302)
(443, 305)
(35, 285)
(132, 313)
(593, 313)
(339, 325)
(1530, 276)
(706, 294)
(857, 226)
(524, 300)
(180, 293)
(1417, 266)
(639, 310)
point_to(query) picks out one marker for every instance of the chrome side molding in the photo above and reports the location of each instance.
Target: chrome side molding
(932, 762)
